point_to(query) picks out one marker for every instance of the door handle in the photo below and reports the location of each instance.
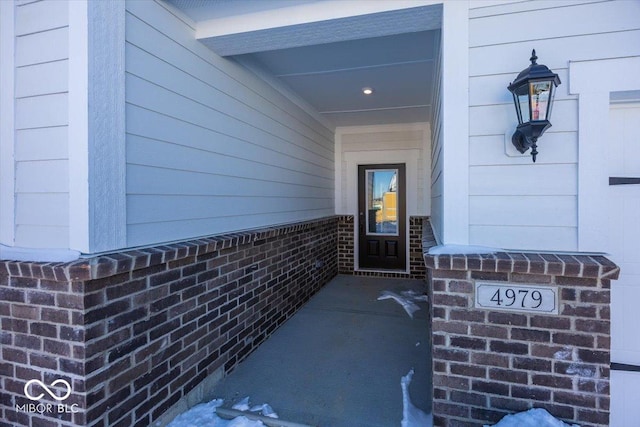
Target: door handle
(624, 367)
(619, 180)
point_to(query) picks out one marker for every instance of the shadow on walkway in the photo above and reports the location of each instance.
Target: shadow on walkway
(338, 362)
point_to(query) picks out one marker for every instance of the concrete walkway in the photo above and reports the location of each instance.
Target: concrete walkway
(338, 362)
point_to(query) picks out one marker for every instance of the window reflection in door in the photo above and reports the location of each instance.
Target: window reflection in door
(382, 201)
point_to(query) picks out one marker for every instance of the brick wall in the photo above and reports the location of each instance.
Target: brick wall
(42, 338)
(418, 225)
(134, 332)
(487, 363)
(419, 230)
(346, 244)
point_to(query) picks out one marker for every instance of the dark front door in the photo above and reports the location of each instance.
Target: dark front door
(381, 216)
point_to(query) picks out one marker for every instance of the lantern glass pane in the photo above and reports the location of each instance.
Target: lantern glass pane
(550, 106)
(540, 94)
(515, 101)
(523, 106)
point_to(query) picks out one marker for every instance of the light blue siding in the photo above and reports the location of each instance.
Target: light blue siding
(514, 203)
(41, 122)
(212, 148)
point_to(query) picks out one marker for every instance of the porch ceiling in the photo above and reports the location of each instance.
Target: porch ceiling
(328, 51)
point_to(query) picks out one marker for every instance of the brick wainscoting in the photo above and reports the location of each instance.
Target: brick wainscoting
(134, 332)
(487, 363)
(346, 245)
(419, 226)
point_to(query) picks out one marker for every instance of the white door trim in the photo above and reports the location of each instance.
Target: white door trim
(355, 159)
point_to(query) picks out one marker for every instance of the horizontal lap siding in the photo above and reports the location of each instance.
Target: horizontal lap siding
(437, 218)
(210, 147)
(41, 121)
(514, 203)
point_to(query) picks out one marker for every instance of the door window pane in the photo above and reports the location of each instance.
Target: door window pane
(382, 201)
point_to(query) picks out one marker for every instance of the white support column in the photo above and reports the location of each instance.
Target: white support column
(78, 127)
(7, 125)
(425, 209)
(455, 122)
(97, 163)
(593, 117)
(339, 208)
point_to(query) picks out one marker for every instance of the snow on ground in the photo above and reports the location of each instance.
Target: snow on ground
(407, 299)
(462, 250)
(412, 416)
(204, 415)
(242, 405)
(536, 417)
(264, 409)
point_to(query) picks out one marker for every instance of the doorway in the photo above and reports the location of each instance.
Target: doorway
(382, 217)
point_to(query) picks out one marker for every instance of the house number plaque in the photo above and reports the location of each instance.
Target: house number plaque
(511, 297)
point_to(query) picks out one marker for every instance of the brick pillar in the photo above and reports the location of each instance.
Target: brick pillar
(490, 362)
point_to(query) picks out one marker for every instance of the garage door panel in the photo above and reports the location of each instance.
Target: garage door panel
(625, 410)
(632, 269)
(623, 231)
(631, 219)
(625, 347)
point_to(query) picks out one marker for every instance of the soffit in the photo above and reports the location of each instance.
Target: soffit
(327, 62)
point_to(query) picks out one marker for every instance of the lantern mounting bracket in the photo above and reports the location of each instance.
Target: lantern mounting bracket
(527, 134)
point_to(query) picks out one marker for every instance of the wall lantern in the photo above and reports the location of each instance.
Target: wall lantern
(533, 92)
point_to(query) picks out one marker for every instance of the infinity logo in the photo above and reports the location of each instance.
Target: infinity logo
(47, 389)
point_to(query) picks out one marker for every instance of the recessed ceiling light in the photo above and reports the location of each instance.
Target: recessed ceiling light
(367, 90)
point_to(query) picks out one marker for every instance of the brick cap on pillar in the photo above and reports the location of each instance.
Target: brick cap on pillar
(557, 264)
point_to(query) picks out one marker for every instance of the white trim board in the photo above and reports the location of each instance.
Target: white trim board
(7, 123)
(107, 148)
(78, 133)
(455, 122)
(97, 165)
